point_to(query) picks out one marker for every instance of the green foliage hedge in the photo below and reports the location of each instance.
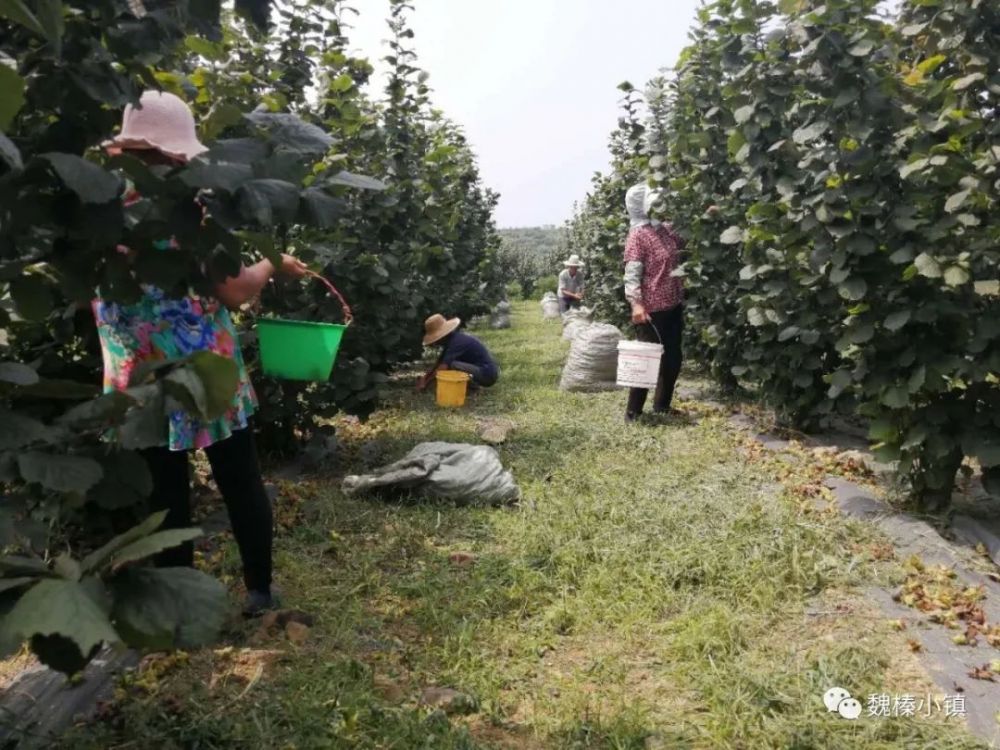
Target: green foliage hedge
(835, 174)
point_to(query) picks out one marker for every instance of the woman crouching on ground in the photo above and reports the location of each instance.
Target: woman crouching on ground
(459, 351)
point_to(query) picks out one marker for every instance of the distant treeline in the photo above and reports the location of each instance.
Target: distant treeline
(532, 257)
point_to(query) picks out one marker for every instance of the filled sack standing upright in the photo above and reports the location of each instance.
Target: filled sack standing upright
(592, 364)
(500, 317)
(550, 306)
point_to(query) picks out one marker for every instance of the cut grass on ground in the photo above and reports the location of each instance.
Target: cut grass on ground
(657, 587)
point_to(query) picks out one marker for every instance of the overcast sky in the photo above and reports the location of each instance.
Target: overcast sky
(533, 82)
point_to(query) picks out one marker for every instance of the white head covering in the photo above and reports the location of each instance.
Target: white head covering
(638, 201)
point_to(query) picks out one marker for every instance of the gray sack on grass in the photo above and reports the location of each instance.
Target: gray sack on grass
(575, 321)
(465, 474)
(500, 317)
(573, 328)
(579, 313)
(550, 306)
(592, 364)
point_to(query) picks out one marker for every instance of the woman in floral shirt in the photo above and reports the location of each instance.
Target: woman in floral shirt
(652, 254)
(161, 328)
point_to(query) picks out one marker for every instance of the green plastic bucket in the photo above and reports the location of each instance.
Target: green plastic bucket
(301, 349)
(298, 349)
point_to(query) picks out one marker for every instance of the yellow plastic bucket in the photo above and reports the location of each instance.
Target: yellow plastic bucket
(451, 387)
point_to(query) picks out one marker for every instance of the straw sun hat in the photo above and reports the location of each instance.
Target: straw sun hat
(162, 122)
(573, 262)
(436, 328)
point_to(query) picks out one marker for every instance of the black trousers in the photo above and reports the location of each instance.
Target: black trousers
(237, 474)
(670, 326)
(568, 303)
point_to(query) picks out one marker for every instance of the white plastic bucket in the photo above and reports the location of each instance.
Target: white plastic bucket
(638, 364)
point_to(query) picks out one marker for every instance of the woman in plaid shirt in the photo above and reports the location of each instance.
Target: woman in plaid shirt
(652, 254)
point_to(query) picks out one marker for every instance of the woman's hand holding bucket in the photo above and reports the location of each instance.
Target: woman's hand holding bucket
(639, 314)
(292, 267)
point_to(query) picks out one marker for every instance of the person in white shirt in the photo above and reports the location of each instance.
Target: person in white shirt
(571, 284)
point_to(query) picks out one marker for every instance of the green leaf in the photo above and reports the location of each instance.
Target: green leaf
(236, 151)
(840, 381)
(882, 431)
(205, 385)
(55, 607)
(895, 321)
(99, 413)
(23, 566)
(100, 557)
(736, 143)
(732, 236)
(153, 544)
(744, 114)
(19, 13)
(292, 133)
(896, 397)
(860, 334)
(227, 177)
(355, 181)
(756, 317)
(90, 183)
(17, 373)
(50, 15)
(965, 81)
(207, 49)
(788, 333)
(11, 100)
(931, 64)
(927, 266)
(854, 289)
(319, 209)
(268, 202)
(59, 472)
(168, 607)
(222, 115)
(845, 97)
(956, 201)
(914, 166)
(9, 154)
(810, 132)
(862, 48)
(126, 481)
(32, 297)
(20, 430)
(955, 276)
(146, 424)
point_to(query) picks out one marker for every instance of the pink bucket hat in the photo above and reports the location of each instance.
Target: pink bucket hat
(163, 122)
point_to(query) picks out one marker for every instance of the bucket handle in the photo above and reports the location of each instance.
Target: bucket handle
(653, 326)
(345, 308)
